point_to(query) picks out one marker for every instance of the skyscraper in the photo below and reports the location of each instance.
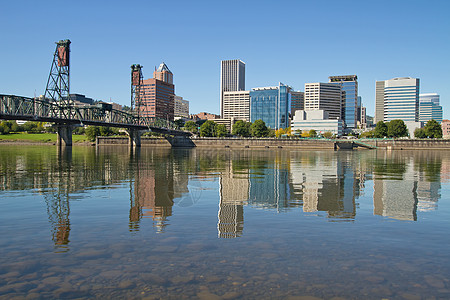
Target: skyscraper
(232, 78)
(400, 98)
(157, 98)
(429, 108)
(324, 96)
(379, 101)
(297, 101)
(349, 85)
(270, 104)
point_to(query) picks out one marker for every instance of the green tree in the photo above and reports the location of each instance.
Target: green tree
(92, 132)
(368, 134)
(312, 133)
(259, 129)
(179, 123)
(208, 129)
(433, 129)
(241, 128)
(191, 126)
(29, 126)
(380, 130)
(397, 128)
(221, 130)
(328, 134)
(4, 128)
(419, 133)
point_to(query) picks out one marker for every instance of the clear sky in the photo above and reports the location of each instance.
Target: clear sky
(292, 42)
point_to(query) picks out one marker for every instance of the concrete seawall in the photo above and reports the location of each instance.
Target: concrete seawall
(273, 143)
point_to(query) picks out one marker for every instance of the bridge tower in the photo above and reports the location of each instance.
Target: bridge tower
(58, 90)
(137, 90)
(58, 83)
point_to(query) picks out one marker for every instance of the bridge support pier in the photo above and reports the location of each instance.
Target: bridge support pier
(64, 135)
(134, 138)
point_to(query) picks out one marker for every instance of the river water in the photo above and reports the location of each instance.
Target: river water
(165, 223)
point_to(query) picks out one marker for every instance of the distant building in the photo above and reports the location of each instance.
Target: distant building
(157, 98)
(350, 108)
(363, 117)
(445, 129)
(232, 78)
(205, 116)
(379, 101)
(236, 104)
(79, 99)
(318, 120)
(429, 108)
(297, 101)
(324, 96)
(181, 107)
(399, 98)
(270, 104)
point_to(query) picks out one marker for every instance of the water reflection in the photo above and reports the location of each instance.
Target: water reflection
(157, 180)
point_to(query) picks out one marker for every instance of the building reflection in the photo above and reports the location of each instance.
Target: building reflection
(234, 188)
(405, 184)
(327, 183)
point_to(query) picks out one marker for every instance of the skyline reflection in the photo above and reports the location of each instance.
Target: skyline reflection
(162, 182)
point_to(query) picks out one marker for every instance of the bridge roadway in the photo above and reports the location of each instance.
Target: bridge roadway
(67, 117)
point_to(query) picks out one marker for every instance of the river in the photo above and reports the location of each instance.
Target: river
(162, 223)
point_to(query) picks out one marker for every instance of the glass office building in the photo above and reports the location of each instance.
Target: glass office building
(349, 86)
(429, 108)
(271, 104)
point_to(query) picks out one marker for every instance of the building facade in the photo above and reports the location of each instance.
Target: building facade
(236, 105)
(318, 120)
(270, 104)
(379, 102)
(157, 96)
(181, 107)
(297, 101)
(324, 96)
(445, 129)
(400, 99)
(232, 78)
(429, 108)
(349, 107)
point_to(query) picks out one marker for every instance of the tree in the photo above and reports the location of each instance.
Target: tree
(368, 134)
(419, 133)
(208, 128)
(279, 132)
(241, 128)
(92, 132)
(179, 123)
(191, 126)
(312, 133)
(397, 128)
(221, 130)
(259, 129)
(380, 130)
(433, 129)
(328, 134)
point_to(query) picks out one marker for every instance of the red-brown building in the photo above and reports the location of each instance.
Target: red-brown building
(157, 98)
(205, 116)
(445, 129)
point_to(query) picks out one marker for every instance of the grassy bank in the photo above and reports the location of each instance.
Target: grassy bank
(39, 137)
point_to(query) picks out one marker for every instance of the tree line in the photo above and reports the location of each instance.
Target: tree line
(397, 128)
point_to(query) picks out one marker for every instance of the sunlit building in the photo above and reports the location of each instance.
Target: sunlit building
(270, 104)
(349, 107)
(232, 79)
(324, 96)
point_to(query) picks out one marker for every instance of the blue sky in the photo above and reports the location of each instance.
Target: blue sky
(293, 42)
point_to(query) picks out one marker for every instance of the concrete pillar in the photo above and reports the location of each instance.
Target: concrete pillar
(64, 135)
(134, 137)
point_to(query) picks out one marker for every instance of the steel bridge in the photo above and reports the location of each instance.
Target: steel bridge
(56, 106)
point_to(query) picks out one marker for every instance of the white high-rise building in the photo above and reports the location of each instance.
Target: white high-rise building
(400, 99)
(232, 78)
(236, 105)
(324, 96)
